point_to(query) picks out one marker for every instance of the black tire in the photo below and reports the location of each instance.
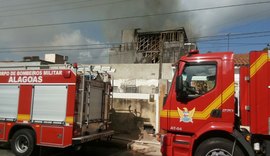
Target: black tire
(78, 147)
(218, 147)
(23, 142)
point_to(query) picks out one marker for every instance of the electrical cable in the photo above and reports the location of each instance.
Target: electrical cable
(133, 17)
(64, 9)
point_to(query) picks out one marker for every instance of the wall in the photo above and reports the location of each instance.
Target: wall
(18, 65)
(134, 111)
(136, 95)
(139, 78)
(121, 55)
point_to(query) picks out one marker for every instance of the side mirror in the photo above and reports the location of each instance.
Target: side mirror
(179, 84)
(181, 94)
(165, 99)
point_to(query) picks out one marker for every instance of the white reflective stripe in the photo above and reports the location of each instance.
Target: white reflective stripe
(55, 84)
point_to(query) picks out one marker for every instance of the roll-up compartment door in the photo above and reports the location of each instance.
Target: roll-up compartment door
(9, 98)
(49, 103)
(96, 103)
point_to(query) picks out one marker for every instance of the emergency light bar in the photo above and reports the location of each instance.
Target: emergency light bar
(194, 51)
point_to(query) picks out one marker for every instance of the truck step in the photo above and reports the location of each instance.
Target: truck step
(182, 141)
(90, 137)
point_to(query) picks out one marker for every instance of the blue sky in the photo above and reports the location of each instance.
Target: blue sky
(242, 43)
(230, 24)
(219, 19)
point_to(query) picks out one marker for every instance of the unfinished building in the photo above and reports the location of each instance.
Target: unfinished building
(149, 47)
(136, 91)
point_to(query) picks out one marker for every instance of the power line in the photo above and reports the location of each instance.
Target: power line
(132, 17)
(115, 44)
(251, 35)
(105, 46)
(235, 38)
(60, 10)
(119, 43)
(51, 50)
(61, 46)
(23, 4)
(232, 34)
(225, 46)
(247, 43)
(64, 9)
(41, 6)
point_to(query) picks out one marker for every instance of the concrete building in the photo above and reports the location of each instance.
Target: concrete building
(55, 58)
(136, 94)
(34, 62)
(139, 75)
(149, 47)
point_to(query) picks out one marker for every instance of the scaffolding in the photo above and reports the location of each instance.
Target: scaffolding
(151, 44)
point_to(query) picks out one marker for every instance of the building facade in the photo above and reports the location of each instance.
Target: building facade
(149, 47)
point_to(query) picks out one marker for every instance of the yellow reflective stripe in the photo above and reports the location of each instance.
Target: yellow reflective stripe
(69, 119)
(203, 115)
(163, 113)
(228, 93)
(206, 112)
(256, 66)
(23, 117)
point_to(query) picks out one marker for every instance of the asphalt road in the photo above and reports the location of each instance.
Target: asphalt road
(100, 148)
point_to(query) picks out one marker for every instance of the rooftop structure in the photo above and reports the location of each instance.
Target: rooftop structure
(150, 46)
(241, 59)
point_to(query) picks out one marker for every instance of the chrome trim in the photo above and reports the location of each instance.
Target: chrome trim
(38, 84)
(91, 137)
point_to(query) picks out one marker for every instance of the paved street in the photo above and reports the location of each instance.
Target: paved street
(102, 148)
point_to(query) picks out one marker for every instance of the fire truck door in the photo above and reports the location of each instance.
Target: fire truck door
(199, 101)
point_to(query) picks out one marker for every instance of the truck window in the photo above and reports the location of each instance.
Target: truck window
(199, 79)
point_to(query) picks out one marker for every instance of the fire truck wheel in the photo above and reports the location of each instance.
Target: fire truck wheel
(23, 142)
(78, 147)
(219, 147)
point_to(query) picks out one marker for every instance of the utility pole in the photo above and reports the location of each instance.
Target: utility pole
(228, 47)
(161, 85)
(161, 45)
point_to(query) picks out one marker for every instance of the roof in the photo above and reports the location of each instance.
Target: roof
(241, 59)
(145, 31)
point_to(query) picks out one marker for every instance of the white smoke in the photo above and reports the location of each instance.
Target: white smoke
(213, 21)
(196, 23)
(205, 21)
(81, 48)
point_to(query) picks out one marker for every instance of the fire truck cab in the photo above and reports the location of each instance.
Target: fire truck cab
(200, 114)
(55, 106)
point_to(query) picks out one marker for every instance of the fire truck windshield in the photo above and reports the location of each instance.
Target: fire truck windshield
(198, 79)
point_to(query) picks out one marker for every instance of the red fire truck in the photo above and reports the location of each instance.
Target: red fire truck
(200, 114)
(55, 106)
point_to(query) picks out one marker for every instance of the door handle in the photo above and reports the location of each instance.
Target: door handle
(216, 113)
